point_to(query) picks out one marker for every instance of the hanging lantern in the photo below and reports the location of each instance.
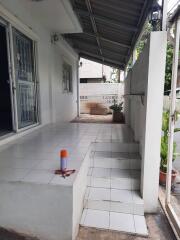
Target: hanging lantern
(156, 16)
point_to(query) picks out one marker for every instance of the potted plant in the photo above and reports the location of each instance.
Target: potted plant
(164, 150)
(118, 115)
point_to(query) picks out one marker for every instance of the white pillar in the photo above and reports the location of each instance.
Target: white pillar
(172, 110)
(78, 90)
(164, 15)
(153, 120)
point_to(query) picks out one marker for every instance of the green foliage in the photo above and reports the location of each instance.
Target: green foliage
(117, 107)
(164, 141)
(144, 38)
(168, 71)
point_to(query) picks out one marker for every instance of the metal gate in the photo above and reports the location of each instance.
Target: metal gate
(26, 82)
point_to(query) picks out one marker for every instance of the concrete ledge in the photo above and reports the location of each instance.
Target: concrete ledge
(45, 211)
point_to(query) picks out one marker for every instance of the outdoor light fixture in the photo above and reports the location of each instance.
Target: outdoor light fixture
(80, 64)
(156, 16)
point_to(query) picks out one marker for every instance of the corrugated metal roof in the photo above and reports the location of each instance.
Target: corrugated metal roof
(110, 29)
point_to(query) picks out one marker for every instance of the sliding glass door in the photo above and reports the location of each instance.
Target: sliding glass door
(25, 80)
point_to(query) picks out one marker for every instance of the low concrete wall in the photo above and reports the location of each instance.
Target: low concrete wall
(45, 211)
(102, 94)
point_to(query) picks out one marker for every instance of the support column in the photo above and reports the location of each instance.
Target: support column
(153, 120)
(78, 90)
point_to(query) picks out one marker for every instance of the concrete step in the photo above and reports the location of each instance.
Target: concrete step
(121, 160)
(115, 200)
(114, 221)
(114, 178)
(116, 146)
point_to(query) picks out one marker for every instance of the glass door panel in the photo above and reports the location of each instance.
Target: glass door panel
(26, 84)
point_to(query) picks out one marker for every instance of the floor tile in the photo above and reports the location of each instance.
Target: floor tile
(121, 164)
(99, 194)
(140, 225)
(122, 222)
(12, 174)
(123, 196)
(96, 218)
(39, 176)
(120, 173)
(122, 183)
(100, 182)
(102, 162)
(101, 172)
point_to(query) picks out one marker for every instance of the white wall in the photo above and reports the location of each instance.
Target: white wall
(145, 112)
(64, 105)
(54, 105)
(90, 69)
(102, 93)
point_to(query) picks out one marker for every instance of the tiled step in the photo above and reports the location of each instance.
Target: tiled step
(116, 200)
(116, 146)
(114, 178)
(121, 160)
(130, 223)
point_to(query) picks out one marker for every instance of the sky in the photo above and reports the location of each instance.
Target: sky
(172, 3)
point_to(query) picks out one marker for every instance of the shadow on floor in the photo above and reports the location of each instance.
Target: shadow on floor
(88, 118)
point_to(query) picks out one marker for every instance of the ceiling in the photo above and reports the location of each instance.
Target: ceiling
(110, 29)
(56, 15)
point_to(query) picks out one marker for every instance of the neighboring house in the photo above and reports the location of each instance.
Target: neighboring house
(93, 72)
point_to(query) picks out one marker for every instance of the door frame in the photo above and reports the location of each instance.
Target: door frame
(9, 23)
(6, 26)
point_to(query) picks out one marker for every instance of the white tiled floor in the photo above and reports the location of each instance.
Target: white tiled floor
(113, 179)
(114, 221)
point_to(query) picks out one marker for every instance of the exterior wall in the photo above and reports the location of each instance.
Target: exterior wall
(145, 84)
(101, 93)
(64, 105)
(90, 69)
(54, 105)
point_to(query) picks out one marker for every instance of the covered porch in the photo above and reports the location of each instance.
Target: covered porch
(113, 163)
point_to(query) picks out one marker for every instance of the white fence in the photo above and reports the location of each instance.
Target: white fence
(102, 95)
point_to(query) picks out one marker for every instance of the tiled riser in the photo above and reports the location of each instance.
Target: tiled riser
(116, 147)
(116, 163)
(137, 209)
(123, 183)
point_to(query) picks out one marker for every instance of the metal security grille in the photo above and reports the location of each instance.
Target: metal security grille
(26, 85)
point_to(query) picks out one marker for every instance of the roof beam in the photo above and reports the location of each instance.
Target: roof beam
(108, 40)
(98, 56)
(101, 61)
(88, 4)
(106, 20)
(90, 45)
